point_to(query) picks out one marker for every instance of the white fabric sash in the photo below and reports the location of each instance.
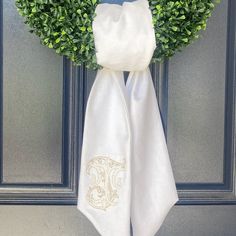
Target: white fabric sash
(125, 168)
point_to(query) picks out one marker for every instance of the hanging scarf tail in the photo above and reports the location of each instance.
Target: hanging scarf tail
(153, 186)
(125, 168)
(104, 187)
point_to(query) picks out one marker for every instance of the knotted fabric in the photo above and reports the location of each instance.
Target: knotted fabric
(125, 170)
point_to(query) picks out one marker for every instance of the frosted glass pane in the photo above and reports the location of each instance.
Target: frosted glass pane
(196, 105)
(32, 104)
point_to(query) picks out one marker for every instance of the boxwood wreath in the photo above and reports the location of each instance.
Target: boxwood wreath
(66, 25)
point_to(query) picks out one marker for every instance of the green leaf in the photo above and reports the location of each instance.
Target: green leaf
(66, 25)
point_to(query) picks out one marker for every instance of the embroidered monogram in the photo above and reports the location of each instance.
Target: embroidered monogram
(106, 180)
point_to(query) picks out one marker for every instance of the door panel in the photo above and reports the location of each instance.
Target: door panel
(32, 105)
(38, 129)
(199, 106)
(196, 102)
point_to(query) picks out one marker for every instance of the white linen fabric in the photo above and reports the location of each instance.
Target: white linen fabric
(125, 170)
(124, 35)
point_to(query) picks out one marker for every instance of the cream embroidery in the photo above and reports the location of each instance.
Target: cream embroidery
(106, 180)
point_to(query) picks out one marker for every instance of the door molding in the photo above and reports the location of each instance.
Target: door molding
(75, 87)
(211, 193)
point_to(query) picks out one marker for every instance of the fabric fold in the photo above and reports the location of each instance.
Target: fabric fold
(153, 185)
(125, 173)
(104, 186)
(124, 35)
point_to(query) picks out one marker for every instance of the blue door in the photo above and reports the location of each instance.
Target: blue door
(43, 100)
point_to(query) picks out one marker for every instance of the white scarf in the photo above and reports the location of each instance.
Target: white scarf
(125, 169)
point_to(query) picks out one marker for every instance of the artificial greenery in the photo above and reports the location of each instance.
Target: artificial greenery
(66, 25)
(177, 23)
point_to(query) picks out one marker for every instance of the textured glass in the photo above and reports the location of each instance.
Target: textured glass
(196, 105)
(32, 104)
